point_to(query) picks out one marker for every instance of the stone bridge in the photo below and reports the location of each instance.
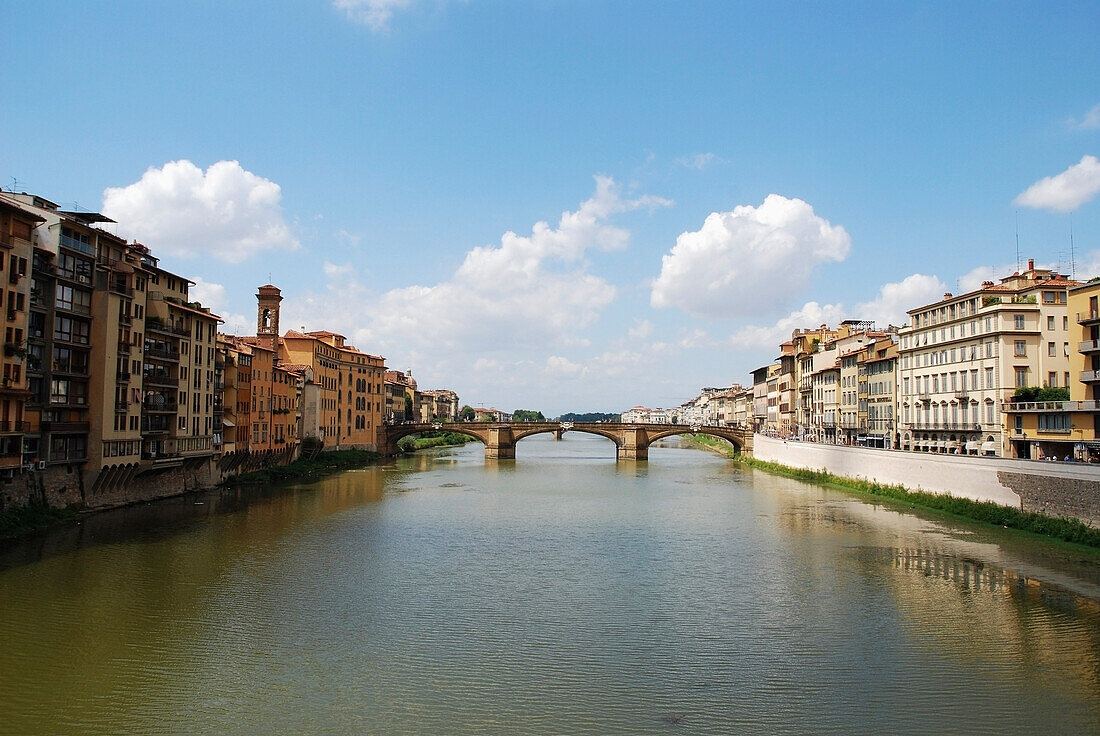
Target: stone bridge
(632, 441)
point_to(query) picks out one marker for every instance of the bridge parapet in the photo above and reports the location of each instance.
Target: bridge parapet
(631, 440)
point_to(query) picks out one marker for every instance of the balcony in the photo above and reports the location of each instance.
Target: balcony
(120, 288)
(7, 425)
(152, 426)
(162, 353)
(123, 348)
(1090, 376)
(123, 377)
(962, 394)
(943, 426)
(1088, 318)
(1032, 407)
(77, 245)
(155, 325)
(1090, 346)
(159, 378)
(151, 406)
(124, 319)
(65, 426)
(121, 407)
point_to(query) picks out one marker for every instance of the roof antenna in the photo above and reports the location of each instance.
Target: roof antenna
(1072, 259)
(1017, 241)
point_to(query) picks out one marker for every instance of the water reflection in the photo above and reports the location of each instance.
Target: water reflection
(562, 592)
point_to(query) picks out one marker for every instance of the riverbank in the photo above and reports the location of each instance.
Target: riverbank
(15, 521)
(987, 512)
(331, 461)
(428, 440)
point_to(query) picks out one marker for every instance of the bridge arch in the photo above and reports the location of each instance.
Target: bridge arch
(734, 437)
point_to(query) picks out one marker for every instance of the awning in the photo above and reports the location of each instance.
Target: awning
(973, 445)
(989, 447)
(227, 422)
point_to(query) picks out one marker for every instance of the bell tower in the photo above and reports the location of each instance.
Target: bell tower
(267, 315)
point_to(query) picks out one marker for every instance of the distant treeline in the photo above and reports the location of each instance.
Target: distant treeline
(592, 416)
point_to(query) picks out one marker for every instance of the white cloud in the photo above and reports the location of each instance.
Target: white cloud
(1066, 191)
(179, 210)
(810, 315)
(642, 329)
(898, 297)
(1091, 120)
(745, 261)
(526, 293)
(695, 338)
(333, 270)
(209, 294)
(698, 161)
(563, 367)
(373, 13)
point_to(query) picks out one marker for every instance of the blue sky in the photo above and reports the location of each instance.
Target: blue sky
(707, 175)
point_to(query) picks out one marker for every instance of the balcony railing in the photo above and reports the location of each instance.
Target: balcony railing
(943, 426)
(7, 425)
(65, 426)
(120, 288)
(1050, 406)
(1090, 376)
(155, 378)
(1090, 346)
(1084, 318)
(156, 325)
(123, 348)
(162, 353)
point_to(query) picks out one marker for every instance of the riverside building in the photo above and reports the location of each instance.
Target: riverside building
(960, 360)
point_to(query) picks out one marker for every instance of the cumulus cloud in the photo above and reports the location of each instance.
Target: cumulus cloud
(180, 210)
(1066, 191)
(210, 294)
(1090, 121)
(373, 13)
(811, 314)
(563, 367)
(895, 299)
(526, 293)
(743, 261)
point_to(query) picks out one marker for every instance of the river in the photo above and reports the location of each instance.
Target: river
(560, 593)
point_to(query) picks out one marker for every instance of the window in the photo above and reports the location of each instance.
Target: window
(1054, 423)
(1021, 376)
(1052, 379)
(1020, 348)
(1018, 321)
(989, 378)
(1050, 322)
(1052, 349)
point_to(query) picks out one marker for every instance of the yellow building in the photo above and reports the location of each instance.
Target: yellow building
(17, 226)
(1063, 429)
(347, 410)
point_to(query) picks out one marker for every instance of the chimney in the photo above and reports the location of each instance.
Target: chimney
(947, 295)
(1030, 264)
(987, 284)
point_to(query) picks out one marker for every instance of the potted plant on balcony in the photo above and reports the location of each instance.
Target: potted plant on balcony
(14, 349)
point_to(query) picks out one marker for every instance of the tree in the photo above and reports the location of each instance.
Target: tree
(467, 413)
(527, 415)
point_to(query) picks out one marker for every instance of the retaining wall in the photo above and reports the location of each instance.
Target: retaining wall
(1054, 488)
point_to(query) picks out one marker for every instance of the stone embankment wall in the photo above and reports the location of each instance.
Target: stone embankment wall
(60, 486)
(1056, 489)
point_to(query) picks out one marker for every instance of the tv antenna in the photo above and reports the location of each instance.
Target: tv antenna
(1017, 241)
(1072, 258)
